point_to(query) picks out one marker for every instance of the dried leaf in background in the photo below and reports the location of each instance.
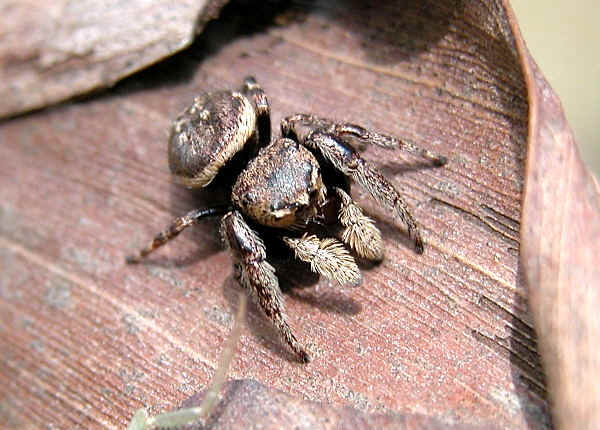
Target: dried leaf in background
(560, 253)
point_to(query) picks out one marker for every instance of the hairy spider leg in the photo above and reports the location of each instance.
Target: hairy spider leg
(346, 160)
(176, 227)
(291, 123)
(254, 92)
(258, 276)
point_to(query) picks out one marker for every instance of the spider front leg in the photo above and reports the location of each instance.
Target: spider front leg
(176, 227)
(258, 275)
(306, 123)
(347, 161)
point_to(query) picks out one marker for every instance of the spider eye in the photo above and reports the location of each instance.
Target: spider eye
(291, 207)
(249, 198)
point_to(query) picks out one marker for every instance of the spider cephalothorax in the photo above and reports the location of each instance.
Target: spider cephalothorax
(290, 185)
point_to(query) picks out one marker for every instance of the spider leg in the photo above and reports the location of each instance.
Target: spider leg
(327, 257)
(300, 125)
(258, 276)
(349, 162)
(360, 232)
(176, 227)
(257, 96)
(293, 124)
(388, 142)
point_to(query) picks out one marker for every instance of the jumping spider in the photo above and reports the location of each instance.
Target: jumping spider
(287, 186)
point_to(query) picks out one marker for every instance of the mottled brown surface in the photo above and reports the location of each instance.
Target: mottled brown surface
(86, 340)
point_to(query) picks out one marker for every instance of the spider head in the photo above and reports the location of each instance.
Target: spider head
(282, 187)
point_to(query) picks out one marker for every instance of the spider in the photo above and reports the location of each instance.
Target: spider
(286, 186)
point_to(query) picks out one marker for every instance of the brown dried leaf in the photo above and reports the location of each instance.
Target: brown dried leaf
(560, 253)
(52, 51)
(87, 340)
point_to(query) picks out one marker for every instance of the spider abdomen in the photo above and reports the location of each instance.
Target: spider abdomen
(281, 187)
(207, 134)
